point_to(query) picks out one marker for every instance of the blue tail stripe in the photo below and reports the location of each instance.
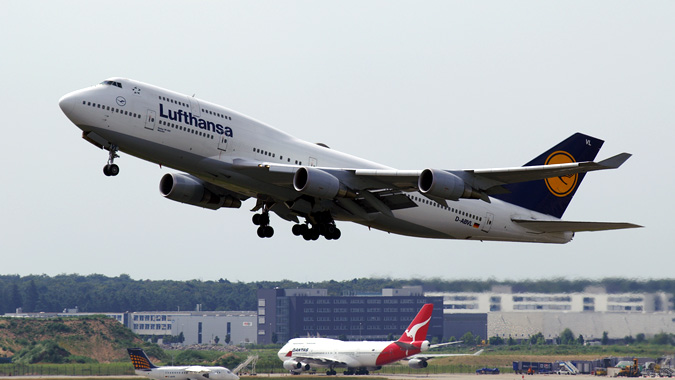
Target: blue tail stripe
(552, 196)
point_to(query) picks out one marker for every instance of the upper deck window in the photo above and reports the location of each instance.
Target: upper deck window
(112, 83)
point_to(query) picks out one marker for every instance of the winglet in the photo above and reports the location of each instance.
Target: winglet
(615, 161)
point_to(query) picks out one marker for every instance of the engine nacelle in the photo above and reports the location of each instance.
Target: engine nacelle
(319, 184)
(191, 190)
(425, 346)
(417, 363)
(439, 183)
(295, 366)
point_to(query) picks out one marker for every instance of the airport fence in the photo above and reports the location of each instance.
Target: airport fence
(124, 369)
(114, 369)
(391, 369)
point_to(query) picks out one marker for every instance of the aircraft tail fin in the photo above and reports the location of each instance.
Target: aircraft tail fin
(551, 196)
(417, 330)
(140, 360)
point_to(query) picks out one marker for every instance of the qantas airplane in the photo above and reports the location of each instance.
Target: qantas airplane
(226, 157)
(144, 367)
(304, 354)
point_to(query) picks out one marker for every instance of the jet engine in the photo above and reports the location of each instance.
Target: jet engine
(439, 183)
(417, 363)
(319, 184)
(293, 365)
(191, 190)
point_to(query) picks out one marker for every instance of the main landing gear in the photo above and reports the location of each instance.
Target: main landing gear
(263, 221)
(110, 169)
(327, 230)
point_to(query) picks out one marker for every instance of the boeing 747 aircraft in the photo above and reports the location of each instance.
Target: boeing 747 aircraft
(144, 367)
(226, 157)
(304, 354)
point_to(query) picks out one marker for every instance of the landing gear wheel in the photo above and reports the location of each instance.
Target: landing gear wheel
(263, 222)
(110, 169)
(114, 170)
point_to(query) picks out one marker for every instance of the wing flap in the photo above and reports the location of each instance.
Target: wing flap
(571, 226)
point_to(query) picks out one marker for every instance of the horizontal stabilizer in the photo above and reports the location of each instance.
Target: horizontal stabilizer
(616, 161)
(571, 226)
(405, 346)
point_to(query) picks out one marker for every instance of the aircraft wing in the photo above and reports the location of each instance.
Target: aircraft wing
(197, 369)
(429, 356)
(489, 180)
(571, 226)
(318, 360)
(444, 344)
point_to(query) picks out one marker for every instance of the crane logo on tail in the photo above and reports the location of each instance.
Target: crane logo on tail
(565, 185)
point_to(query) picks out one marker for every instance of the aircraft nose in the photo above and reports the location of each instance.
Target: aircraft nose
(67, 103)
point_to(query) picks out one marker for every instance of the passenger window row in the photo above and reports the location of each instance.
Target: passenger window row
(111, 109)
(273, 155)
(451, 209)
(220, 115)
(169, 100)
(186, 129)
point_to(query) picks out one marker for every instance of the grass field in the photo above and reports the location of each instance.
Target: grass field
(269, 365)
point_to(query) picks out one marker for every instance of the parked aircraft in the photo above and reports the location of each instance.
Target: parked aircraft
(144, 367)
(304, 354)
(228, 157)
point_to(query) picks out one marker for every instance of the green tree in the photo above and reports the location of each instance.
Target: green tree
(216, 339)
(15, 299)
(468, 338)
(628, 339)
(538, 339)
(580, 340)
(227, 339)
(496, 341)
(567, 337)
(31, 300)
(605, 338)
(661, 339)
(511, 341)
(640, 338)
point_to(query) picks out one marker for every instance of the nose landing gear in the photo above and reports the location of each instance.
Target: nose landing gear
(110, 169)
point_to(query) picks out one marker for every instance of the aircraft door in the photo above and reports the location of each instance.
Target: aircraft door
(312, 162)
(194, 106)
(488, 222)
(222, 143)
(150, 120)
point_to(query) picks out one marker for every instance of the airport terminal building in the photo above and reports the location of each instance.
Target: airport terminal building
(589, 313)
(284, 314)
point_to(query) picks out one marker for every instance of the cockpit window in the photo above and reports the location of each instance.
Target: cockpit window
(111, 83)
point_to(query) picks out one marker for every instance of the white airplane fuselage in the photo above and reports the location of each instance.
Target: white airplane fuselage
(213, 143)
(354, 354)
(181, 373)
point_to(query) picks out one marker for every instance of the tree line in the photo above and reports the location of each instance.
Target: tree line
(99, 293)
